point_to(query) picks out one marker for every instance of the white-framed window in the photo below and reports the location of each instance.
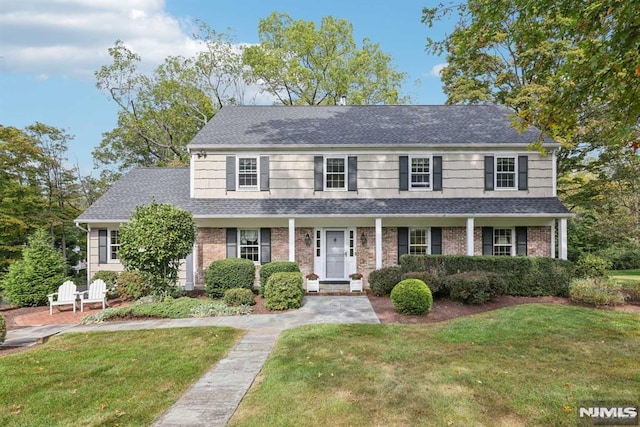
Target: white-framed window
(249, 244)
(113, 246)
(503, 241)
(506, 172)
(335, 173)
(419, 241)
(419, 173)
(248, 172)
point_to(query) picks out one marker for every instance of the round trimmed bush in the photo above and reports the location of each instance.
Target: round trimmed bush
(276, 267)
(412, 296)
(383, 280)
(284, 291)
(475, 287)
(3, 329)
(239, 296)
(132, 286)
(228, 273)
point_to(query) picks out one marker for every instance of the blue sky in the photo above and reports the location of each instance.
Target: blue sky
(49, 50)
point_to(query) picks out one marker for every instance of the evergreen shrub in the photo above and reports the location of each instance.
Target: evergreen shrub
(283, 291)
(412, 296)
(228, 274)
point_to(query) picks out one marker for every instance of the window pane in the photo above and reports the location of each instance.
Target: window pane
(502, 241)
(420, 173)
(418, 241)
(505, 172)
(249, 245)
(247, 172)
(114, 244)
(335, 173)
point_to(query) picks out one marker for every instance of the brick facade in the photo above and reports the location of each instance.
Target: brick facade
(539, 241)
(454, 241)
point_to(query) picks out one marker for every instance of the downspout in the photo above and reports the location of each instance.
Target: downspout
(88, 231)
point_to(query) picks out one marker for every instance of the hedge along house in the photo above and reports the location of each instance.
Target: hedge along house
(347, 189)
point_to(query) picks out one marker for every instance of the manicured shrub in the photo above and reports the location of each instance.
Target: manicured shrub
(3, 329)
(239, 296)
(276, 267)
(40, 272)
(412, 296)
(383, 280)
(589, 265)
(132, 286)
(524, 276)
(474, 287)
(228, 274)
(284, 291)
(596, 291)
(433, 282)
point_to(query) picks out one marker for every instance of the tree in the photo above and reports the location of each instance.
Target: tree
(154, 241)
(158, 115)
(21, 200)
(300, 64)
(40, 272)
(570, 68)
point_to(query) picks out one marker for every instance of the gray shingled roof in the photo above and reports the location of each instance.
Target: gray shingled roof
(373, 125)
(168, 185)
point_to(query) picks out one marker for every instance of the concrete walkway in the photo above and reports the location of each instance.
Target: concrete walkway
(213, 399)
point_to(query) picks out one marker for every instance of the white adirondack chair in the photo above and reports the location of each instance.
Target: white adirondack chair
(66, 295)
(97, 292)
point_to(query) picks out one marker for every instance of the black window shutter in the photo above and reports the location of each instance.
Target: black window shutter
(102, 246)
(232, 243)
(437, 173)
(523, 172)
(403, 241)
(488, 172)
(487, 240)
(404, 173)
(318, 173)
(436, 241)
(521, 241)
(353, 173)
(264, 173)
(265, 245)
(231, 173)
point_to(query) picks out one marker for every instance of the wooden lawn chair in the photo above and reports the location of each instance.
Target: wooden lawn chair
(97, 292)
(66, 295)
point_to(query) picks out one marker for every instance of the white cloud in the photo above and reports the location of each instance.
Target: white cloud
(436, 70)
(71, 37)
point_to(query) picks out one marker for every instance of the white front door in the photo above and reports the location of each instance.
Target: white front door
(335, 254)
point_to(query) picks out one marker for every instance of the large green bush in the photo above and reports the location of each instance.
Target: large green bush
(383, 280)
(412, 296)
(228, 274)
(474, 287)
(132, 286)
(276, 267)
(596, 291)
(239, 296)
(284, 291)
(433, 282)
(589, 265)
(3, 329)
(524, 276)
(40, 272)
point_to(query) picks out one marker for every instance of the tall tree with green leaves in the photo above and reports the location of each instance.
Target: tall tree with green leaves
(302, 64)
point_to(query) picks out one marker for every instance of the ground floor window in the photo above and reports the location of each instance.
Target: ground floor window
(419, 241)
(503, 241)
(249, 244)
(114, 245)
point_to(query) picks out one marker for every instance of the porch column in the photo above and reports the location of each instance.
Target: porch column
(553, 238)
(292, 239)
(378, 243)
(470, 226)
(562, 237)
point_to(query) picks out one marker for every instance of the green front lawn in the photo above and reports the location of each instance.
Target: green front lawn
(625, 274)
(107, 378)
(523, 365)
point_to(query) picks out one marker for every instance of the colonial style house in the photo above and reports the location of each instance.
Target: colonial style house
(347, 189)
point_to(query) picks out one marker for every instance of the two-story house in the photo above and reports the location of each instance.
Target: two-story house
(347, 189)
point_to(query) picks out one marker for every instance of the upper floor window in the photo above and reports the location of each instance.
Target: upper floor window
(503, 241)
(505, 172)
(419, 241)
(420, 172)
(335, 173)
(249, 247)
(247, 172)
(114, 245)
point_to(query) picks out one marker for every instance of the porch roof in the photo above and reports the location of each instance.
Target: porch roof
(171, 185)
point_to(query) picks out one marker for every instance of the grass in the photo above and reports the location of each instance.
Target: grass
(522, 365)
(107, 378)
(626, 275)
